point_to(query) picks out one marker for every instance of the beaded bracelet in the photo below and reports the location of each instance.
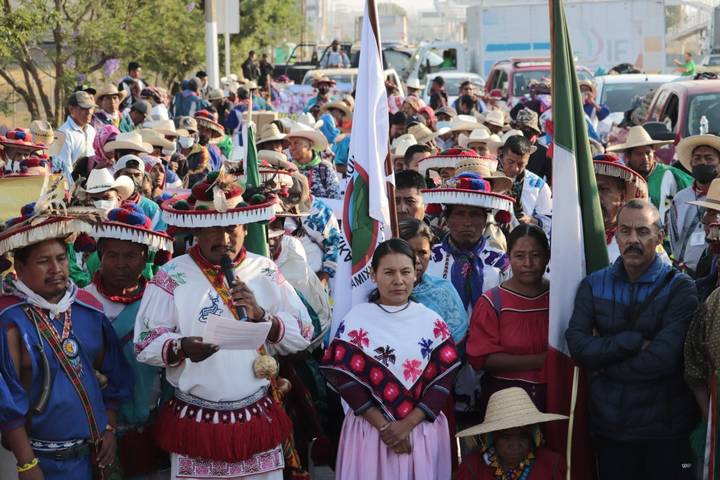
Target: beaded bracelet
(28, 466)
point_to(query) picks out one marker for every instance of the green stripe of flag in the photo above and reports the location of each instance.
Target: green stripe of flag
(570, 132)
(256, 238)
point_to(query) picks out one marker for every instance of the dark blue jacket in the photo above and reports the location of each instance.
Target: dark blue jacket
(635, 394)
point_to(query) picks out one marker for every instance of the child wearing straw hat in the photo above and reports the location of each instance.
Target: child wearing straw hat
(511, 443)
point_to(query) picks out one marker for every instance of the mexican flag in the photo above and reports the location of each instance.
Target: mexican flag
(256, 238)
(366, 209)
(578, 240)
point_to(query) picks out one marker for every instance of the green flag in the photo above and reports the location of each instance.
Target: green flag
(256, 238)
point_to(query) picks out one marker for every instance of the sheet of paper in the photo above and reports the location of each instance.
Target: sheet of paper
(231, 334)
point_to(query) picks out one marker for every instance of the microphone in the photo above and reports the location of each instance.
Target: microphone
(229, 270)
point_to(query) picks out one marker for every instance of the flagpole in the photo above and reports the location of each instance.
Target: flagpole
(571, 420)
(389, 167)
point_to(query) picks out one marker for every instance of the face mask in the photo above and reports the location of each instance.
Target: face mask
(443, 124)
(105, 205)
(704, 174)
(186, 142)
(169, 152)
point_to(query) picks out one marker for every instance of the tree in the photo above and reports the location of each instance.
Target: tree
(48, 46)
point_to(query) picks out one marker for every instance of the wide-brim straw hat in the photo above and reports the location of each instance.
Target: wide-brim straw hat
(129, 223)
(510, 408)
(52, 140)
(111, 89)
(687, 145)
(338, 105)
(128, 141)
(275, 159)
(712, 199)
(479, 135)
(487, 168)
(413, 83)
(637, 137)
(101, 180)
(314, 136)
(495, 117)
(610, 165)
(423, 135)
(203, 119)
(270, 133)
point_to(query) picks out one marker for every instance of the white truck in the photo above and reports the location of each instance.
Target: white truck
(603, 33)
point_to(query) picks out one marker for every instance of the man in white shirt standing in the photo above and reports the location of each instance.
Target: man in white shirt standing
(335, 57)
(79, 134)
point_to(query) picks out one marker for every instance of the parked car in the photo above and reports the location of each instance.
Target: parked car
(346, 78)
(682, 105)
(452, 84)
(510, 79)
(620, 92)
(710, 63)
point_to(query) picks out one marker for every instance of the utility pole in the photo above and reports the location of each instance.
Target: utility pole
(211, 45)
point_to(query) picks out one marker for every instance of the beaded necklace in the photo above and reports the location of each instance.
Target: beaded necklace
(521, 472)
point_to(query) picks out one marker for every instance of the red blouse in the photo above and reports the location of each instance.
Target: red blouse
(521, 329)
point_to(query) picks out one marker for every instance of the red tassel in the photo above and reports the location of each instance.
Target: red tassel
(228, 442)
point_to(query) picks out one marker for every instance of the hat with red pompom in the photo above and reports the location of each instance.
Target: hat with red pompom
(38, 222)
(35, 165)
(209, 121)
(20, 138)
(130, 223)
(470, 189)
(217, 201)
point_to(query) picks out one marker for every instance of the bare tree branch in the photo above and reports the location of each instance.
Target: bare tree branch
(27, 98)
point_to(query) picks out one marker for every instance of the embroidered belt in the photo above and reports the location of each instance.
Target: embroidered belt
(221, 406)
(60, 450)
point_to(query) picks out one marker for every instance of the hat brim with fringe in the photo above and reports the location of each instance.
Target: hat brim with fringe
(122, 231)
(471, 198)
(198, 218)
(217, 129)
(40, 229)
(636, 186)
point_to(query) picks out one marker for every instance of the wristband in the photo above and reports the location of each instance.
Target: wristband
(28, 466)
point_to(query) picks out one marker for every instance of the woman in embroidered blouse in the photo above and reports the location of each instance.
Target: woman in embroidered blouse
(393, 361)
(436, 293)
(509, 325)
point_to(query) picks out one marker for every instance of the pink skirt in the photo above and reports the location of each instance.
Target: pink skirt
(362, 453)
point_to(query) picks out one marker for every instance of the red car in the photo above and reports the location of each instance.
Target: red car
(681, 106)
(510, 79)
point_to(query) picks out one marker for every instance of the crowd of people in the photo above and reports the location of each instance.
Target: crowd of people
(169, 315)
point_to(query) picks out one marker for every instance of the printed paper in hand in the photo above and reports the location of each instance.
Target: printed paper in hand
(231, 334)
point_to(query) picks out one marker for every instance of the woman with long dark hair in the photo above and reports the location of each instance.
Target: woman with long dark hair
(508, 333)
(393, 361)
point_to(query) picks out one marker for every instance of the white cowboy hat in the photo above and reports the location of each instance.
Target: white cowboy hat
(495, 117)
(300, 130)
(687, 145)
(155, 138)
(637, 137)
(712, 199)
(164, 127)
(510, 408)
(413, 83)
(479, 135)
(101, 180)
(308, 120)
(128, 141)
(400, 145)
(464, 123)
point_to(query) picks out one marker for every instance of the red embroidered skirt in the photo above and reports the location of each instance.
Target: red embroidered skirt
(226, 431)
